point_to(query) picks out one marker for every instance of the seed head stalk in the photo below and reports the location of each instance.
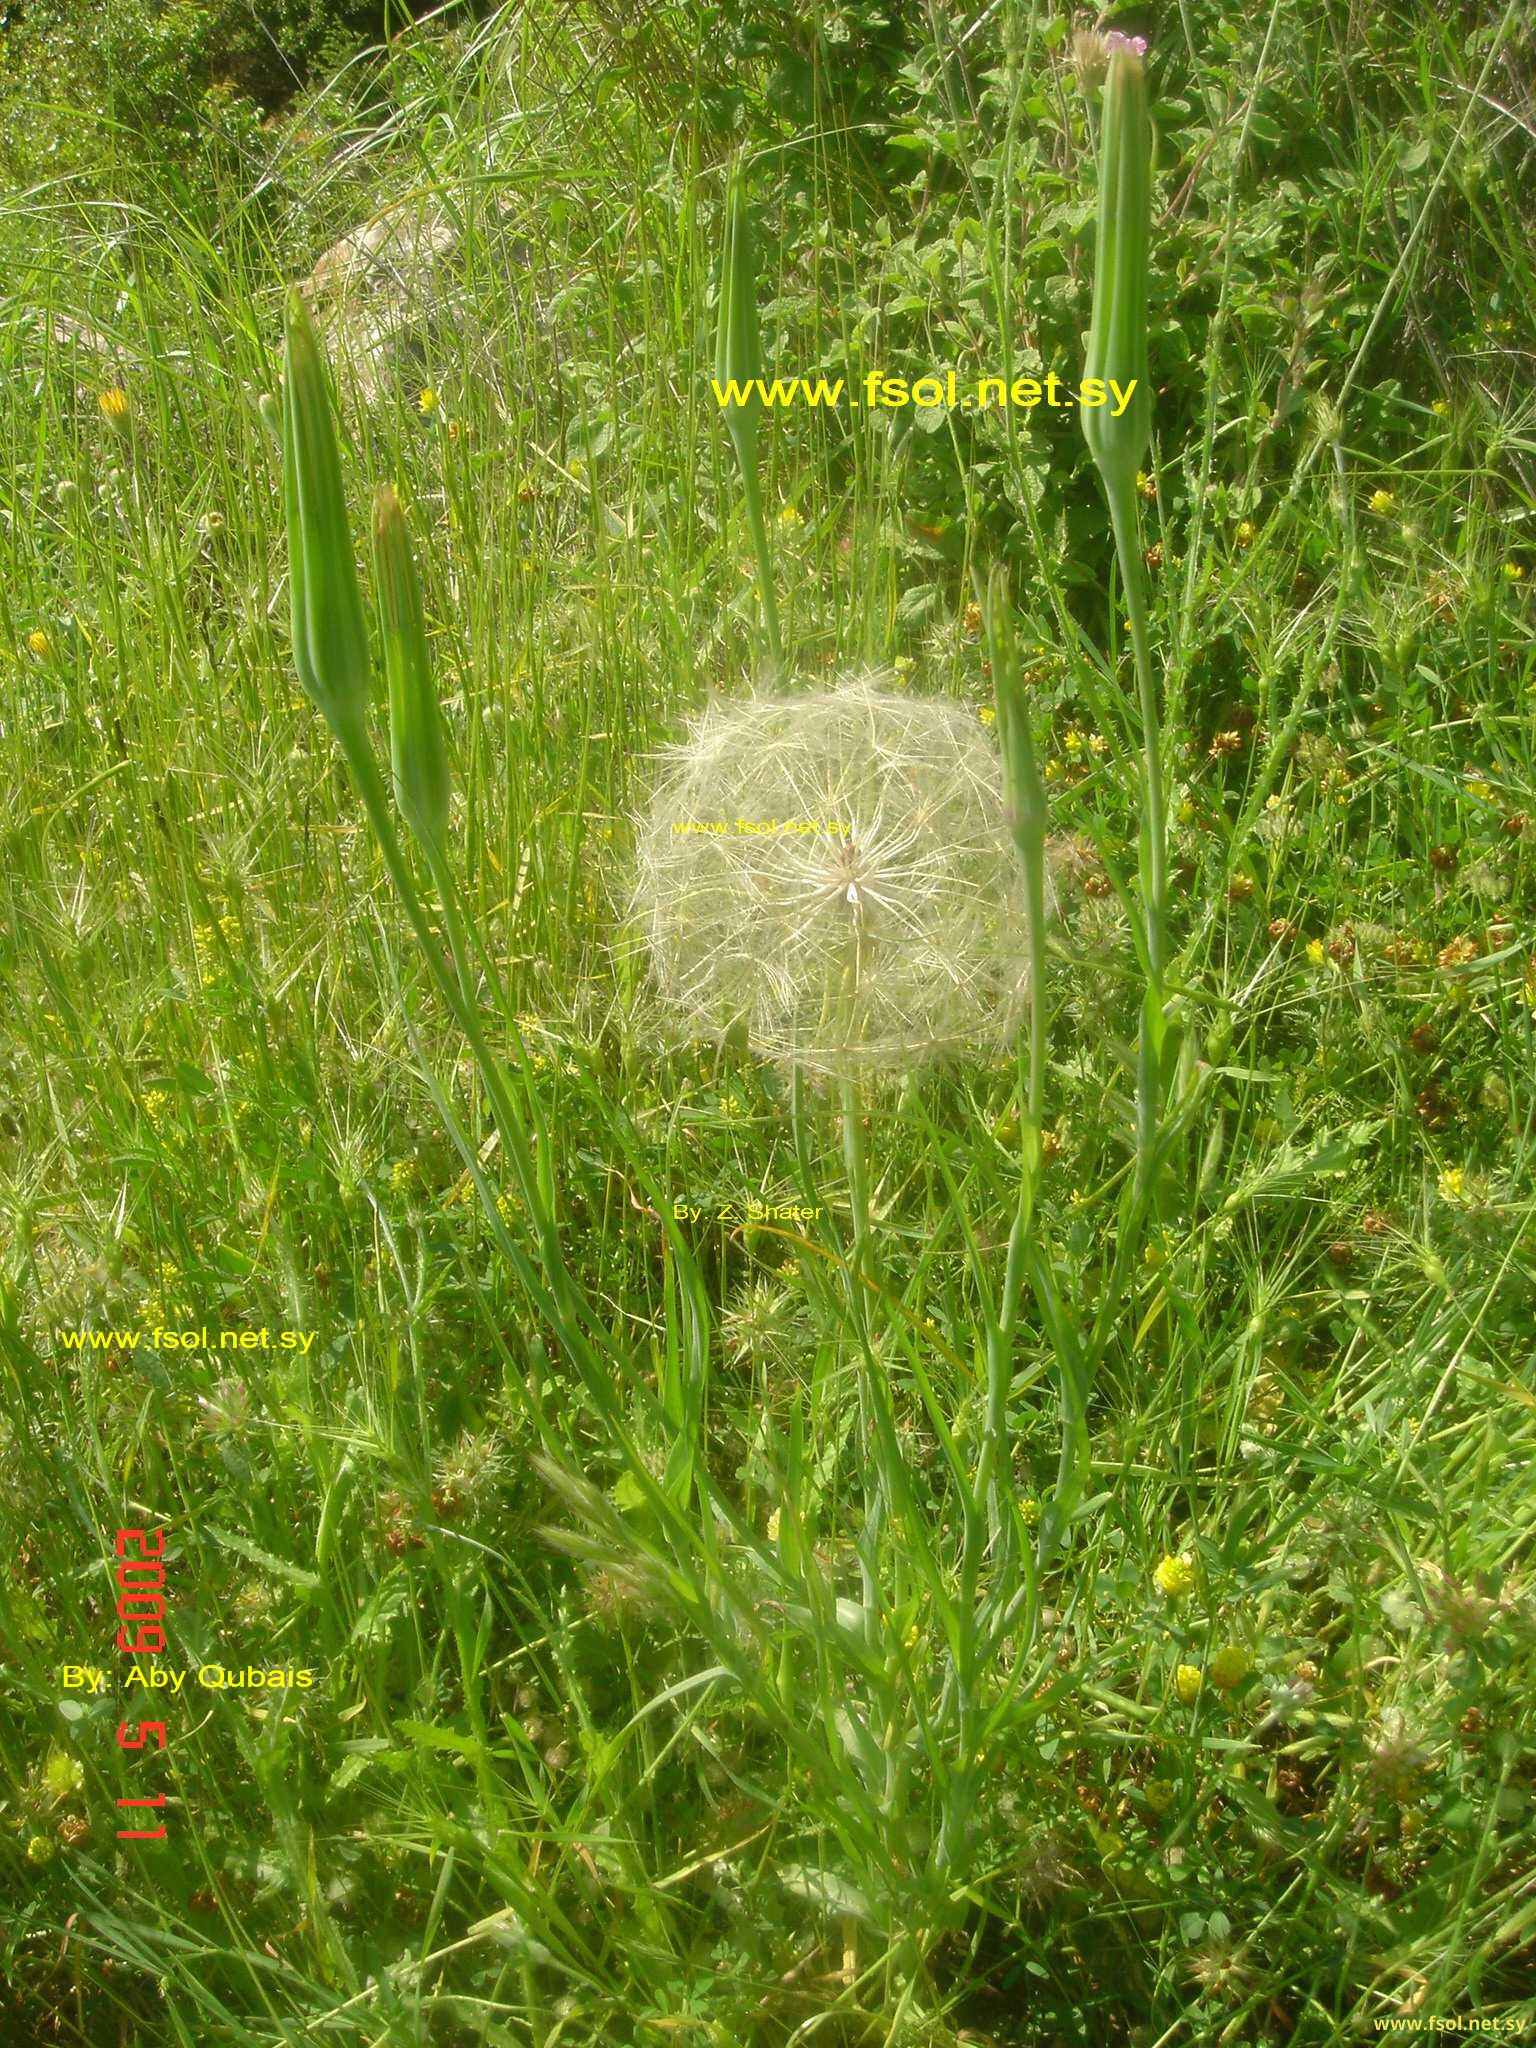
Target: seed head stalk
(876, 1429)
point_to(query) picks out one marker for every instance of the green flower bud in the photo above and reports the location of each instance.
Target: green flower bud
(417, 751)
(1117, 339)
(330, 639)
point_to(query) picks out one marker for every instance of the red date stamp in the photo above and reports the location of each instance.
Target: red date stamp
(141, 1633)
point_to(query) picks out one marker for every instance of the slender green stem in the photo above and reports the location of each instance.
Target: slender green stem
(856, 1164)
(1154, 826)
(1154, 837)
(453, 921)
(751, 491)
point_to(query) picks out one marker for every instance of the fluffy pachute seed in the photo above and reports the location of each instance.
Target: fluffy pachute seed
(833, 870)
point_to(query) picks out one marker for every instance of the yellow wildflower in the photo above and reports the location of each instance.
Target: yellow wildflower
(1381, 502)
(113, 403)
(1174, 1577)
(1186, 1683)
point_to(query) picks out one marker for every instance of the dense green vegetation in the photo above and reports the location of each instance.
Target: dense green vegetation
(625, 1725)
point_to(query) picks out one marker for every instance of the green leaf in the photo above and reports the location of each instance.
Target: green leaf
(243, 1547)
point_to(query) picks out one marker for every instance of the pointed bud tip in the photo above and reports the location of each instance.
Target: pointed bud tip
(1094, 51)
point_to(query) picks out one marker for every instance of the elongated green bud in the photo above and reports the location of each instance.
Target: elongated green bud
(417, 751)
(1117, 339)
(330, 638)
(738, 342)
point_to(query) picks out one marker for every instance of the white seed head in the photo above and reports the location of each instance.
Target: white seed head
(834, 871)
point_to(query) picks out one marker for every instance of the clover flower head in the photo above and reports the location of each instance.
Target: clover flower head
(1286, 1699)
(1174, 1577)
(1229, 1667)
(1397, 1761)
(834, 871)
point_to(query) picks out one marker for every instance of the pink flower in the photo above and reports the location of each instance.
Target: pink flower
(1137, 45)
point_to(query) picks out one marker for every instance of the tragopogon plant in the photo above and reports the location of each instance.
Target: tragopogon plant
(800, 1654)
